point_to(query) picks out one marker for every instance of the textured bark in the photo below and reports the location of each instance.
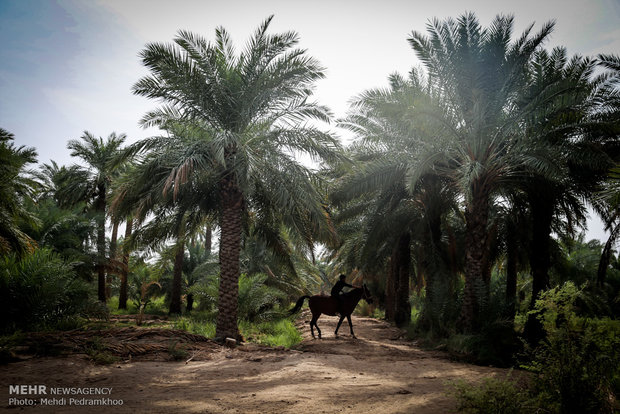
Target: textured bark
(122, 294)
(402, 314)
(511, 272)
(231, 200)
(397, 308)
(540, 260)
(108, 290)
(177, 278)
(208, 239)
(391, 287)
(477, 272)
(431, 249)
(100, 205)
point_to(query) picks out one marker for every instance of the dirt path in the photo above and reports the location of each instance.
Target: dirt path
(376, 373)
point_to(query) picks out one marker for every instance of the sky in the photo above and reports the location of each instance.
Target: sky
(67, 66)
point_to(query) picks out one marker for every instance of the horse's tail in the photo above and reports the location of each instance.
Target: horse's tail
(299, 304)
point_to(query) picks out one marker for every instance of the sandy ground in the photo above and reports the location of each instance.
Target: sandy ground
(377, 373)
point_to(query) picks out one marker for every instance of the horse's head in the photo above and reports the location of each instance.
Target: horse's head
(366, 294)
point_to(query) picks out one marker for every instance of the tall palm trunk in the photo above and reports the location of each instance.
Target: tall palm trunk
(113, 238)
(397, 308)
(511, 270)
(540, 260)
(208, 239)
(603, 264)
(122, 294)
(177, 277)
(432, 262)
(101, 259)
(391, 286)
(477, 270)
(402, 315)
(230, 247)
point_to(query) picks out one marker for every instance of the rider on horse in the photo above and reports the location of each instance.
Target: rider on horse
(340, 284)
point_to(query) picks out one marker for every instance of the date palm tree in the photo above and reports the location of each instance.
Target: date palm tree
(477, 144)
(91, 183)
(15, 186)
(247, 115)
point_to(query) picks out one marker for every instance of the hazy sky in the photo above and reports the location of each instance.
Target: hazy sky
(68, 66)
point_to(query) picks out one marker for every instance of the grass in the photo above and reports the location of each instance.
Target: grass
(195, 324)
(274, 333)
(493, 395)
(156, 306)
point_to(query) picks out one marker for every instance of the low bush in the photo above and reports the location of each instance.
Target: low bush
(40, 291)
(578, 365)
(493, 396)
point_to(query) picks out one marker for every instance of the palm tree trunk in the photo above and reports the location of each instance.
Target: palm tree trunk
(230, 247)
(113, 238)
(122, 294)
(540, 260)
(402, 315)
(190, 302)
(208, 239)
(431, 261)
(476, 261)
(511, 271)
(101, 258)
(177, 278)
(603, 264)
(391, 286)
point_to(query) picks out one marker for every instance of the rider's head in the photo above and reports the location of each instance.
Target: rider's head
(343, 277)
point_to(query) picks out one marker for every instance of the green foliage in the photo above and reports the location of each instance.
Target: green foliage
(15, 188)
(96, 350)
(176, 352)
(7, 346)
(143, 286)
(39, 291)
(492, 396)
(197, 323)
(578, 365)
(257, 301)
(273, 333)
(496, 341)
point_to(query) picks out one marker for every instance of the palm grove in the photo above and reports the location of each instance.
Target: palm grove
(462, 194)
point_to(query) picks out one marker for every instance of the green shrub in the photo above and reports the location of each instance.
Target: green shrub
(492, 396)
(40, 291)
(176, 352)
(578, 365)
(257, 301)
(97, 351)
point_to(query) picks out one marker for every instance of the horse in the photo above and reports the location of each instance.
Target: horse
(320, 304)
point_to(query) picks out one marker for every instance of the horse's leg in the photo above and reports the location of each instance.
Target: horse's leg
(313, 322)
(338, 326)
(351, 326)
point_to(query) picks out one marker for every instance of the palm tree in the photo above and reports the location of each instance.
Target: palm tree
(394, 216)
(15, 187)
(566, 129)
(477, 75)
(91, 184)
(247, 113)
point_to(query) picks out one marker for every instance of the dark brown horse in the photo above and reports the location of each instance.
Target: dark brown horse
(320, 304)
